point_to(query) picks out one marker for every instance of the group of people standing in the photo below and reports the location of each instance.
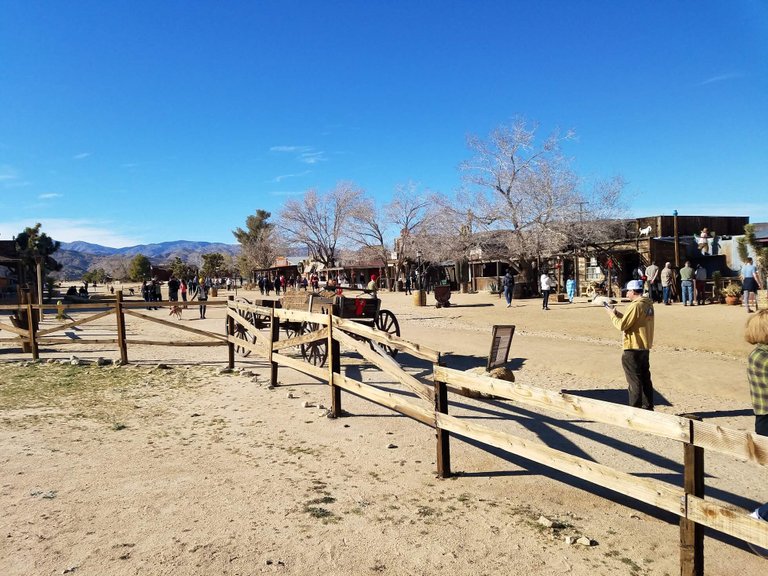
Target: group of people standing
(662, 283)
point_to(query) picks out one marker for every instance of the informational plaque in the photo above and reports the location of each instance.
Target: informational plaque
(502, 340)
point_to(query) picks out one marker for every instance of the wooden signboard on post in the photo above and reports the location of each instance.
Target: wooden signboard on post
(500, 343)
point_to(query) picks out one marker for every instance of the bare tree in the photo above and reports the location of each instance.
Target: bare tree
(407, 214)
(529, 189)
(411, 213)
(319, 221)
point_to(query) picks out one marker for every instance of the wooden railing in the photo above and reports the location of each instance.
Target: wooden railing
(427, 402)
(430, 407)
(31, 337)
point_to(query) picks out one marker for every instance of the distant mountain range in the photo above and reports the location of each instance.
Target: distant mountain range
(164, 250)
(79, 257)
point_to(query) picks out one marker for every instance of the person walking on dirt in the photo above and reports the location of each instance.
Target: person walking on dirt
(546, 288)
(637, 323)
(508, 283)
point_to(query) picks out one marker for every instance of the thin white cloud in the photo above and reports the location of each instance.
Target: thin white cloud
(49, 196)
(312, 157)
(722, 78)
(81, 156)
(278, 179)
(304, 154)
(70, 230)
(290, 148)
(8, 173)
(10, 177)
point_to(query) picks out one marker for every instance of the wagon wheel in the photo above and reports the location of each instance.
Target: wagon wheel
(315, 352)
(242, 334)
(387, 322)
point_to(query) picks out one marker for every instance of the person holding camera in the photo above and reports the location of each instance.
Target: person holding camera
(636, 323)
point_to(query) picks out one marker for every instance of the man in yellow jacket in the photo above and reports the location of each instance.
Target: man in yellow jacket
(637, 325)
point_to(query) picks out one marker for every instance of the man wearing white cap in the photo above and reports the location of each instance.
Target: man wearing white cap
(637, 325)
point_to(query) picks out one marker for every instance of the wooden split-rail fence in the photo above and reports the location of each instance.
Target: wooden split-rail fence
(428, 404)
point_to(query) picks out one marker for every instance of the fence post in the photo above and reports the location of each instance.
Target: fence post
(443, 437)
(692, 534)
(230, 335)
(120, 319)
(32, 330)
(334, 367)
(274, 323)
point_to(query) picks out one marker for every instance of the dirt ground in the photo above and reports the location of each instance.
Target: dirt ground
(184, 470)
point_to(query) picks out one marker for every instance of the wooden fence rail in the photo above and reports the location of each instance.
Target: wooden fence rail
(428, 403)
(430, 407)
(31, 338)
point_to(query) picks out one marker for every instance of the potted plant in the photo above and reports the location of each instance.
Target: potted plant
(732, 294)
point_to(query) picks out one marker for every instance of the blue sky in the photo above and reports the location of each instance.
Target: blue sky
(127, 122)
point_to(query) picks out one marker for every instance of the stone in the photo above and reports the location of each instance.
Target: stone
(162, 366)
(290, 395)
(225, 370)
(500, 373)
(102, 361)
(584, 541)
(570, 540)
(306, 404)
(391, 446)
(546, 522)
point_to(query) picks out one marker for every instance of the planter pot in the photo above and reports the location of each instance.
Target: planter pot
(732, 300)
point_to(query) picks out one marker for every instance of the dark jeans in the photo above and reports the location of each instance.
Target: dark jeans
(637, 369)
(654, 290)
(761, 424)
(545, 299)
(508, 294)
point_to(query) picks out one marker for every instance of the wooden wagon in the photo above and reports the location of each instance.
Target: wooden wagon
(361, 306)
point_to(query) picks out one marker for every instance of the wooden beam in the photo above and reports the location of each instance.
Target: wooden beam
(392, 401)
(388, 365)
(20, 331)
(334, 367)
(230, 333)
(443, 437)
(691, 533)
(48, 341)
(664, 425)
(75, 323)
(161, 343)
(417, 350)
(321, 334)
(223, 338)
(653, 492)
(732, 521)
(739, 443)
(301, 366)
(257, 347)
(301, 316)
(120, 327)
